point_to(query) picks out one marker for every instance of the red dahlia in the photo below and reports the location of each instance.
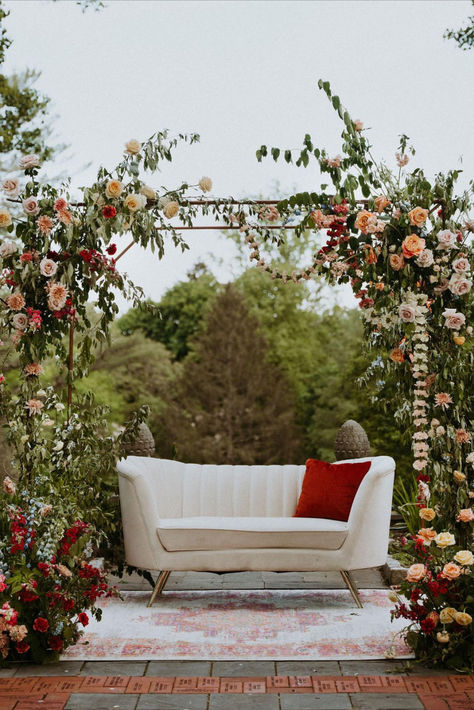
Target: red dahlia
(109, 211)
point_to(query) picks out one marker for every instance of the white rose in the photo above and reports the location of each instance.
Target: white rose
(407, 313)
(59, 407)
(10, 187)
(171, 209)
(459, 285)
(48, 267)
(205, 183)
(135, 202)
(461, 265)
(425, 259)
(30, 206)
(446, 239)
(7, 249)
(148, 192)
(20, 321)
(29, 161)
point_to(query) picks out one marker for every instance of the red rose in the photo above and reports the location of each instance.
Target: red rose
(111, 249)
(55, 643)
(68, 604)
(109, 211)
(22, 647)
(83, 618)
(41, 624)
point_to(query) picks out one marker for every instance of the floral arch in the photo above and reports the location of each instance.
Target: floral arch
(404, 245)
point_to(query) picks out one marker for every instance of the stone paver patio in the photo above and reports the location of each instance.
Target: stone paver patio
(231, 685)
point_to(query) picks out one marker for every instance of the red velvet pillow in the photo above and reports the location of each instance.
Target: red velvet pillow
(329, 489)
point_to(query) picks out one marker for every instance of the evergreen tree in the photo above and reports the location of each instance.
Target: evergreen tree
(232, 405)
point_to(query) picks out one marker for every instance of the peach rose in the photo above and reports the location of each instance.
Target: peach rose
(15, 301)
(28, 161)
(57, 296)
(464, 557)
(412, 246)
(446, 615)
(45, 224)
(60, 204)
(397, 262)
(459, 477)
(171, 209)
(451, 571)
(334, 162)
(381, 202)
(462, 618)
(427, 534)
(33, 369)
(418, 216)
(397, 355)
(114, 188)
(63, 570)
(9, 486)
(135, 202)
(465, 515)
(65, 216)
(427, 514)
(416, 572)
(442, 637)
(445, 539)
(364, 220)
(358, 124)
(462, 436)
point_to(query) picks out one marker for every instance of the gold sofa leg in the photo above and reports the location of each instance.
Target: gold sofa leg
(352, 587)
(160, 584)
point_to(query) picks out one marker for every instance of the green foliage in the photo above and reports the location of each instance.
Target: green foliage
(231, 405)
(464, 37)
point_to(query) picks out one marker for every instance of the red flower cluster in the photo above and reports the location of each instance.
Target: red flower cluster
(27, 592)
(19, 533)
(36, 319)
(68, 310)
(71, 536)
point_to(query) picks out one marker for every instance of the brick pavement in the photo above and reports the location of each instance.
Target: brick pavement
(231, 685)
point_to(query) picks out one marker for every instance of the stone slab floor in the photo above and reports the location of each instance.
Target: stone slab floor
(232, 685)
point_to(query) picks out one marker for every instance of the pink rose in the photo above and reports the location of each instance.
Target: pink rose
(446, 239)
(10, 187)
(48, 267)
(30, 205)
(459, 285)
(9, 486)
(416, 572)
(454, 320)
(29, 161)
(465, 515)
(20, 321)
(407, 312)
(461, 265)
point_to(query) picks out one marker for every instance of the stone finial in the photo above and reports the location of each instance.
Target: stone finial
(351, 442)
(144, 444)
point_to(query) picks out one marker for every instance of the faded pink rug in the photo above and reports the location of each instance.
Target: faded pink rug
(243, 625)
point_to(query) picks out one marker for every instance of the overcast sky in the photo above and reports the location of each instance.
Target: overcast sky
(242, 74)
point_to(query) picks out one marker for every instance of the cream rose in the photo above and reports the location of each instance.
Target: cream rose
(459, 477)
(31, 206)
(462, 618)
(171, 209)
(445, 539)
(425, 259)
(148, 192)
(451, 571)
(417, 216)
(132, 147)
(459, 285)
(205, 183)
(407, 312)
(416, 572)
(57, 296)
(442, 637)
(454, 320)
(5, 218)
(134, 202)
(28, 161)
(10, 187)
(7, 249)
(464, 557)
(114, 188)
(446, 239)
(48, 267)
(446, 615)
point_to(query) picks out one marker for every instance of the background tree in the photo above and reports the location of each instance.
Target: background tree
(464, 37)
(232, 405)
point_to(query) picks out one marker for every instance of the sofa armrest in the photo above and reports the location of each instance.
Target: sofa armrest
(140, 518)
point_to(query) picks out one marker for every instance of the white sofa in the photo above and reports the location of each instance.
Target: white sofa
(221, 518)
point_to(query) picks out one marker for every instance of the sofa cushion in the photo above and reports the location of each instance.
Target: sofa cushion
(329, 489)
(219, 533)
